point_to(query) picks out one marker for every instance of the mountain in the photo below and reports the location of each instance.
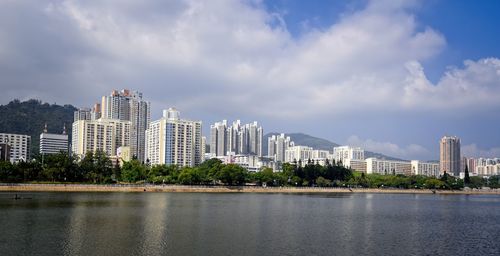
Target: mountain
(29, 117)
(317, 143)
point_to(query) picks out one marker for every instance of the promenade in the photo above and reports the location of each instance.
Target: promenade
(20, 187)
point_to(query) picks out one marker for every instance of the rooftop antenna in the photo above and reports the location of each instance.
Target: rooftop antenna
(64, 129)
(45, 129)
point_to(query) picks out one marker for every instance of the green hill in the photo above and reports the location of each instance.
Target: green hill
(29, 117)
(318, 143)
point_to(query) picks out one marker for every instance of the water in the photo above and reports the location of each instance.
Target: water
(248, 224)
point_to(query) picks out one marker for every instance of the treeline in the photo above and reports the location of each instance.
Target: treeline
(97, 168)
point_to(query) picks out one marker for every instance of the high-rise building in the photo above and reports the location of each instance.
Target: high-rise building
(450, 155)
(106, 135)
(51, 143)
(127, 105)
(345, 153)
(172, 140)
(277, 145)
(236, 139)
(19, 144)
(218, 138)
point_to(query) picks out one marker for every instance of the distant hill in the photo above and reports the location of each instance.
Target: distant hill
(318, 143)
(29, 117)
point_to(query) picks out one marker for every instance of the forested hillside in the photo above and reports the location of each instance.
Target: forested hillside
(29, 117)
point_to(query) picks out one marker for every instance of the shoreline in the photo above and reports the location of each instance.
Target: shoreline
(21, 187)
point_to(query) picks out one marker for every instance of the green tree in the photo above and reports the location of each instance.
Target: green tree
(232, 174)
(133, 171)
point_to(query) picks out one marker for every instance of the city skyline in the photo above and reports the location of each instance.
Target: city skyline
(391, 77)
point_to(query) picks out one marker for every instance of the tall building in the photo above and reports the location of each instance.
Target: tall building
(172, 140)
(106, 135)
(277, 145)
(20, 146)
(345, 153)
(218, 138)
(51, 143)
(128, 105)
(236, 139)
(450, 155)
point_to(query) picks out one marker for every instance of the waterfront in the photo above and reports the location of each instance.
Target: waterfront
(248, 224)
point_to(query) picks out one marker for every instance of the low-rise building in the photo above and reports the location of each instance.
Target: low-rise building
(425, 168)
(380, 166)
(51, 143)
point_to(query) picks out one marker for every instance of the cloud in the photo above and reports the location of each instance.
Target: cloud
(472, 150)
(412, 151)
(226, 59)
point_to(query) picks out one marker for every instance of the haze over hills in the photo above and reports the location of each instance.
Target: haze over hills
(318, 143)
(29, 117)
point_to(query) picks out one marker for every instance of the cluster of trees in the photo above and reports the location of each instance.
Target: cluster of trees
(98, 168)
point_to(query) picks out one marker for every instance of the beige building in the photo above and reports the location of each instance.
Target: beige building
(106, 135)
(172, 140)
(380, 166)
(449, 155)
(424, 168)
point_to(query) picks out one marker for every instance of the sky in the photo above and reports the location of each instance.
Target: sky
(388, 75)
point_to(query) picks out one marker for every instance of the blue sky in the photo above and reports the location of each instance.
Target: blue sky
(391, 76)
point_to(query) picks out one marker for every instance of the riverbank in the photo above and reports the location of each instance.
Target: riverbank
(224, 189)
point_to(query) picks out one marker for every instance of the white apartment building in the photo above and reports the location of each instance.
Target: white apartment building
(106, 135)
(172, 140)
(379, 166)
(277, 146)
(129, 105)
(236, 139)
(343, 153)
(298, 153)
(51, 143)
(424, 168)
(20, 146)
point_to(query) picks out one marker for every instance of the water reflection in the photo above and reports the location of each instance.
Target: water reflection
(248, 224)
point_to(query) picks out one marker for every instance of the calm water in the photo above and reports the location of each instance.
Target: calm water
(248, 224)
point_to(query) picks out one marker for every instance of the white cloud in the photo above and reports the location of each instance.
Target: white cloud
(472, 150)
(234, 58)
(412, 151)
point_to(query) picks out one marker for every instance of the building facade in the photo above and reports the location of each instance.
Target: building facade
(236, 139)
(449, 156)
(277, 146)
(345, 153)
(172, 140)
(425, 169)
(51, 143)
(126, 105)
(105, 135)
(384, 167)
(19, 144)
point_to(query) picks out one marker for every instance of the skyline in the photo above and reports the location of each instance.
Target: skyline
(387, 76)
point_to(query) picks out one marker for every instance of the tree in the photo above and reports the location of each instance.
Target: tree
(467, 178)
(232, 174)
(133, 171)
